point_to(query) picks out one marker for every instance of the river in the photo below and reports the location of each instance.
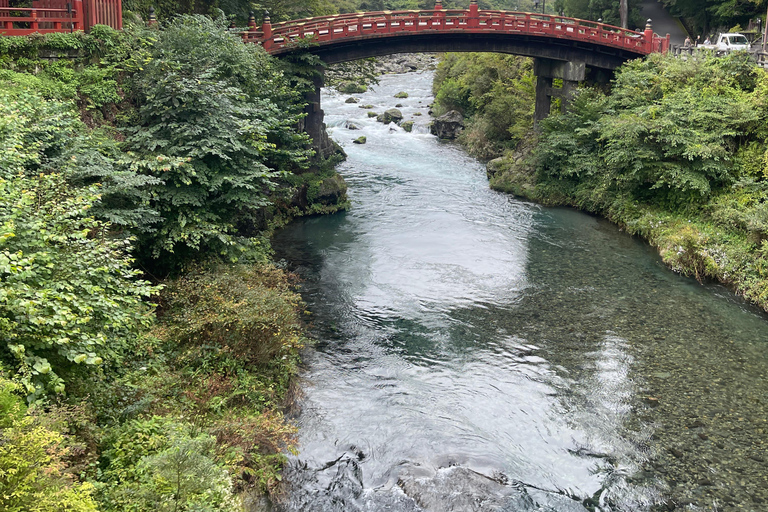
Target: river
(479, 352)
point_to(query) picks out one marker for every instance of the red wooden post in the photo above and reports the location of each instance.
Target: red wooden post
(648, 36)
(78, 20)
(33, 24)
(119, 15)
(266, 28)
(473, 17)
(439, 15)
(152, 18)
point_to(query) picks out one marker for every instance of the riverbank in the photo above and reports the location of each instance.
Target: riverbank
(675, 154)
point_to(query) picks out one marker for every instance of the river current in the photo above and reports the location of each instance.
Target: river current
(476, 352)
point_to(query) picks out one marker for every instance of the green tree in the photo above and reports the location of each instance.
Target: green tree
(225, 108)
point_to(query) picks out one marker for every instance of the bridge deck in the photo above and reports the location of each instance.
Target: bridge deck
(328, 30)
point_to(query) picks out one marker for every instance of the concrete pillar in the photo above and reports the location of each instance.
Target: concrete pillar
(543, 99)
(313, 124)
(571, 73)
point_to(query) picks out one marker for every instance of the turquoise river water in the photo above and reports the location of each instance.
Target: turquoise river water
(479, 352)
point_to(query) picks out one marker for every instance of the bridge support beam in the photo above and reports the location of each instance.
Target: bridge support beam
(571, 73)
(313, 124)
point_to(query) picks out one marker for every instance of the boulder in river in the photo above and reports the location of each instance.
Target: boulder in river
(352, 99)
(360, 140)
(407, 126)
(401, 94)
(352, 126)
(391, 115)
(351, 88)
(331, 191)
(448, 126)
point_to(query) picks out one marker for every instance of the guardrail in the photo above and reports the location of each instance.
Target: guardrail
(277, 38)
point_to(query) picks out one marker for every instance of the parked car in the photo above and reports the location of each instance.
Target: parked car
(729, 42)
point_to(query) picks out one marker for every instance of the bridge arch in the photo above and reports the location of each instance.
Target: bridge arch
(561, 47)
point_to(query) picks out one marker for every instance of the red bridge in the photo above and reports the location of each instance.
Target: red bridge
(568, 49)
(346, 37)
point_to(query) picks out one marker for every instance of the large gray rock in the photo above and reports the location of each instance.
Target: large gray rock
(392, 115)
(448, 125)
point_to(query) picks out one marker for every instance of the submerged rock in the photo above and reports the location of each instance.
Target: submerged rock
(351, 126)
(352, 99)
(448, 126)
(360, 140)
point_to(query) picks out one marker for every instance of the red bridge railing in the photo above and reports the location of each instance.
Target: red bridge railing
(44, 16)
(277, 38)
(59, 16)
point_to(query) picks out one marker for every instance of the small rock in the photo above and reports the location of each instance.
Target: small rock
(365, 106)
(407, 126)
(703, 436)
(372, 114)
(696, 424)
(360, 140)
(652, 401)
(398, 105)
(401, 94)
(677, 453)
(352, 126)
(417, 113)
(352, 99)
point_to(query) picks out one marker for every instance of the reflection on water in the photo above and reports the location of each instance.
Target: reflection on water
(476, 352)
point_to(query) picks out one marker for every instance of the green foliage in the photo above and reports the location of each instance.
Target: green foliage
(207, 97)
(158, 464)
(495, 91)
(32, 473)
(607, 10)
(70, 296)
(242, 310)
(675, 146)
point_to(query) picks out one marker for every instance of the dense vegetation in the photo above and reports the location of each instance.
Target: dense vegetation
(676, 153)
(494, 92)
(148, 342)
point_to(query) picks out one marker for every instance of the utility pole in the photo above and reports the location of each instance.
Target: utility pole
(765, 31)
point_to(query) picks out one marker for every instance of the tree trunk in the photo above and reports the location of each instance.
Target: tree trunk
(623, 13)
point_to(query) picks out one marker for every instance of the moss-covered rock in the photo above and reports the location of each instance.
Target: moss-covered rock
(352, 99)
(360, 140)
(401, 94)
(372, 114)
(407, 126)
(351, 88)
(391, 115)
